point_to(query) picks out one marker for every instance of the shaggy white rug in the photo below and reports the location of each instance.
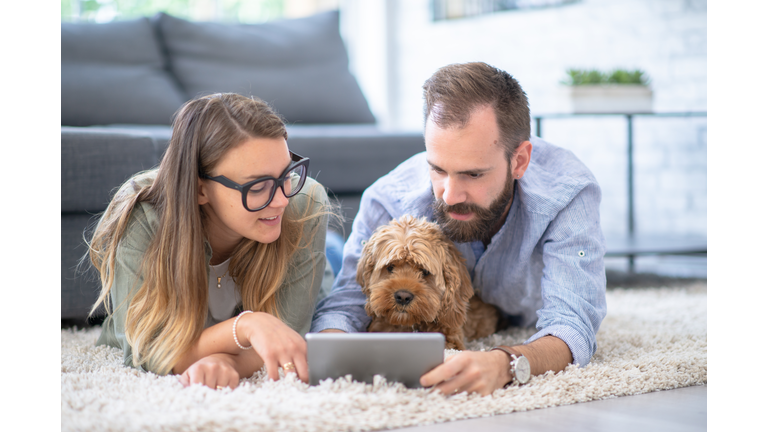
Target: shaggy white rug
(652, 339)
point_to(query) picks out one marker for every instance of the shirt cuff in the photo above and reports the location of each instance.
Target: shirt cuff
(579, 347)
(332, 321)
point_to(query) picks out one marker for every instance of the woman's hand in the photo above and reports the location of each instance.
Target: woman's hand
(216, 370)
(275, 342)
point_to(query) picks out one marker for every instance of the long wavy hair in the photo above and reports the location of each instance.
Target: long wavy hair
(167, 313)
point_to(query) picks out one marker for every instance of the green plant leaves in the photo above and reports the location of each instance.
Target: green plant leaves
(616, 76)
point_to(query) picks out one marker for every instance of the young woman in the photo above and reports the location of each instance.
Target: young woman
(211, 264)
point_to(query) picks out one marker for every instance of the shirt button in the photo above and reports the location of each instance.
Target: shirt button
(581, 253)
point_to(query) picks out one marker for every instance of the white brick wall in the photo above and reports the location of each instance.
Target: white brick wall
(666, 38)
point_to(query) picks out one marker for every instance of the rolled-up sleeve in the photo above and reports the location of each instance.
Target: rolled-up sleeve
(573, 280)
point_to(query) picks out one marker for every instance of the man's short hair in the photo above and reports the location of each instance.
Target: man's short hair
(455, 91)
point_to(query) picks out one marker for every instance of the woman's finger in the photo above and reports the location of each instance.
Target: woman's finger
(298, 355)
(210, 379)
(302, 369)
(272, 368)
(234, 379)
(288, 365)
(184, 378)
(277, 344)
(194, 375)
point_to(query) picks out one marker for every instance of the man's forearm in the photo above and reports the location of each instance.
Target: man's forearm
(343, 309)
(548, 353)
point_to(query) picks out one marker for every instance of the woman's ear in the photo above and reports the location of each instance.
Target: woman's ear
(202, 192)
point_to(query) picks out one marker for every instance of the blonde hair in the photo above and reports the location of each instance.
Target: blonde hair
(167, 313)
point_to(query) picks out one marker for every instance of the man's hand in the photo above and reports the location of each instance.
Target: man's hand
(484, 372)
(470, 371)
(332, 331)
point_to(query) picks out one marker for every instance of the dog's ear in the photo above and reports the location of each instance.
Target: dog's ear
(458, 289)
(365, 265)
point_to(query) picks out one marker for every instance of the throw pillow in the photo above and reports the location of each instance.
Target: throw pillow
(299, 66)
(114, 73)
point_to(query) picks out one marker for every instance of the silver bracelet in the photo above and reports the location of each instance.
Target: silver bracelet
(234, 330)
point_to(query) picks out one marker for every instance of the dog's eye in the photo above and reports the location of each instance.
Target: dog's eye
(390, 268)
(425, 272)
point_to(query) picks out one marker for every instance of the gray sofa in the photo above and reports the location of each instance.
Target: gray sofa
(121, 83)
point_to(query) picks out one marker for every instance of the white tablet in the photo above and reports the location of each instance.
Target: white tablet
(401, 357)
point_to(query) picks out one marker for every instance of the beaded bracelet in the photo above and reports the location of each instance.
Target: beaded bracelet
(234, 330)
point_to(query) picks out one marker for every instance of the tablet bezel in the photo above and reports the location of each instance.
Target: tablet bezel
(401, 357)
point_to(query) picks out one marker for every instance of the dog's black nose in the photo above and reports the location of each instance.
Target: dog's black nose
(403, 297)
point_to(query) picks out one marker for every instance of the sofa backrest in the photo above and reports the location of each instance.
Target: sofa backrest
(114, 73)
(141, 71)
(299, 66)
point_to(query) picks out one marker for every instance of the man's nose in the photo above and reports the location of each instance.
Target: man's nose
(453, 194)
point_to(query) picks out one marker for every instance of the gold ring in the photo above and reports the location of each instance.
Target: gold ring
(219, 388)
(288, 366)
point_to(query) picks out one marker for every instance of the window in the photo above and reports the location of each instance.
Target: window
(243, 11)
(452, 9)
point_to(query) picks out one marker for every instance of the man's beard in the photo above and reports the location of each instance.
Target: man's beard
(482, 225)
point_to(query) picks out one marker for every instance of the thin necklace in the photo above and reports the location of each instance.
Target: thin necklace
(218, 279)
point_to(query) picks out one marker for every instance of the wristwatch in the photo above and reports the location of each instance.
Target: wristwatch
(519, 366)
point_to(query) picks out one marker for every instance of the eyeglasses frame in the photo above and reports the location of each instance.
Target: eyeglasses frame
(296, 160)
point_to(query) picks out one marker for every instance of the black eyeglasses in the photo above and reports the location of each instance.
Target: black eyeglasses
(257, 194)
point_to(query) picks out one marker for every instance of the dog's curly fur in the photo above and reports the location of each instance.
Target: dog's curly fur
(415, 279)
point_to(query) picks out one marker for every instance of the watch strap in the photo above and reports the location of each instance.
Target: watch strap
(514, 358)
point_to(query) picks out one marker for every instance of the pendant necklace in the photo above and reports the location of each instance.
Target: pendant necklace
(218, 279)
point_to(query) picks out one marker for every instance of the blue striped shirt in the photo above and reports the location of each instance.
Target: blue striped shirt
(544, 266)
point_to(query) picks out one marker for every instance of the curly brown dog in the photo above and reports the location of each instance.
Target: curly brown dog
(415, 279)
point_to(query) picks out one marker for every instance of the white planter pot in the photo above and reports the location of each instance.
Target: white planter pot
(611, 98)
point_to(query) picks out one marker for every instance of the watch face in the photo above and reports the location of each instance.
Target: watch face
(522, 370)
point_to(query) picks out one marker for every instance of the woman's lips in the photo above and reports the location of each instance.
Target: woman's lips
(270, 221)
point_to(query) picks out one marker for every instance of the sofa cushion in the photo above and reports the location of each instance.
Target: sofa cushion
(299, 66)
(96, 161)
(349, 158)
(80, 284)
(115, 73)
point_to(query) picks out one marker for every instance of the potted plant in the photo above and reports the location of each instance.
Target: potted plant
(619, 91)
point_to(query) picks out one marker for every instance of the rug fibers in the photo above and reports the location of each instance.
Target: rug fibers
(651, 339)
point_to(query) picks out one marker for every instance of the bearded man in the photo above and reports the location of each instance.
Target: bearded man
(523, 212)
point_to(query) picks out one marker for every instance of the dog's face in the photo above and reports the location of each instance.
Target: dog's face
(411, 273)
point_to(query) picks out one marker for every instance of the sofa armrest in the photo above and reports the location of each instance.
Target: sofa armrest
(95, 161)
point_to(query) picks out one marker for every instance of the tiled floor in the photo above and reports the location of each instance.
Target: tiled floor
(678, 410)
